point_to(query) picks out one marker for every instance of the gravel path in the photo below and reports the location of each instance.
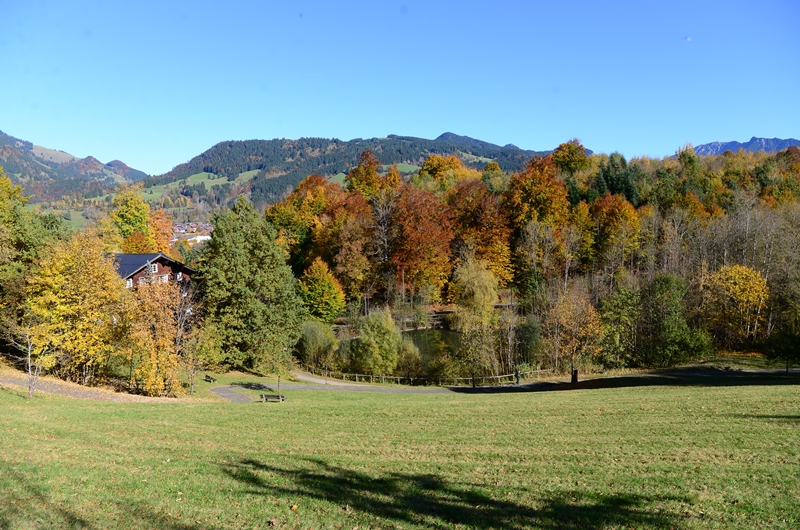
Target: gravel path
(226, 392)
(73, 390)
(303, 376)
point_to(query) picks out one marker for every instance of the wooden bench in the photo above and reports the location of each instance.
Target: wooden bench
(209, 379)
(272, 397)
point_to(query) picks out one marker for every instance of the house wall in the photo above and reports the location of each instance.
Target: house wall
(164, 267)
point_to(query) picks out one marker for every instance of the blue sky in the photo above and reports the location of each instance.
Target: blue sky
(156, 83)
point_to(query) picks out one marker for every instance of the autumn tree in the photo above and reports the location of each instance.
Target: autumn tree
(161, 229)
(421, 255)
(250, 292)
(349, 235)
(570, 157)
(159, 327)
(496, 179)
(18, 333)
(24, 236)
(365, 177)
(321, 292)
(295, 217)
(617, 230)
(76, 300)
(574, 330)
(475, 293)
(131, 217)
(480, 224)
(734, 302)
(442, 172)
(536, 194)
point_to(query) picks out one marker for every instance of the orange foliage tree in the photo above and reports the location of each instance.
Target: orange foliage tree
(295, 216)
(421, 255)
(480, 223)
(161, 229)
(536, 194)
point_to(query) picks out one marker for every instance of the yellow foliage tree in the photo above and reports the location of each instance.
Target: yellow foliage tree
(131, 216)
(158, 327)
(735, 298)
(445, 171)
(574, 329)
(75, 301)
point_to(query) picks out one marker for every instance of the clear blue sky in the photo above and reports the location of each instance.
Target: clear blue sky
(154, 83)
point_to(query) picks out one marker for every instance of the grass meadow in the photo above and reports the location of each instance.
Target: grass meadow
(661, 453)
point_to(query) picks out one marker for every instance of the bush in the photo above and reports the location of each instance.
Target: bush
(318, 345)
(377, 349)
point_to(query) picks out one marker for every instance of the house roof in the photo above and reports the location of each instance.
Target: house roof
(130, 264)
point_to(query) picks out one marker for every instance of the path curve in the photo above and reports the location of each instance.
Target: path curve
(227, 392)
(303, 376)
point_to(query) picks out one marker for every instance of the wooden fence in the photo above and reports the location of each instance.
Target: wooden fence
(428, 381)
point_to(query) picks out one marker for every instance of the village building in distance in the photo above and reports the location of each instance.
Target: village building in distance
(191, 233)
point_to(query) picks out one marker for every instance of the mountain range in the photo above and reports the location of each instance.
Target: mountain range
(281, 164)
(47, 174)
(268, 168)
(770, 145)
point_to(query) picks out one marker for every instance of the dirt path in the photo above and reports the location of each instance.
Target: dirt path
(62, 388)
(303, 376)
(227, 392)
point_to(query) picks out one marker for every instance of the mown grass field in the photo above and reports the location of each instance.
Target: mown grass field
(669, 453)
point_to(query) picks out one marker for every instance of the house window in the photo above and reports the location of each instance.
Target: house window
(129, 283)
(153, 268)
(179, 277)
(165, 278)
(142, 280)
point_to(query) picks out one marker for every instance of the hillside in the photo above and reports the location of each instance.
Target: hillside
(281, 164)
(48, 174)
(769, 145)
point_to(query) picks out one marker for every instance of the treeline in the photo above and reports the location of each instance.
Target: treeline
(576, 259)
(582, 261)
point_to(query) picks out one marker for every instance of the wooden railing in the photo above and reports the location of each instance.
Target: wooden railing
(425, 381)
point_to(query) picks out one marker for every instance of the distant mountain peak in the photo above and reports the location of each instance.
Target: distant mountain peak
(465, 140)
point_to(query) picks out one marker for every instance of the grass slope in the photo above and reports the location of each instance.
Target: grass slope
(699, 453)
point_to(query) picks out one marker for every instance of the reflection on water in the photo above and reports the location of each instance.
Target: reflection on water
(434, 343)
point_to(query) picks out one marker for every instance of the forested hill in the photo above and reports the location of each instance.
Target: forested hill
(769, 145)
(282, 164)
(47, 174)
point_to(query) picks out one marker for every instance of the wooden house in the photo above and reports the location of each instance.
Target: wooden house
(136, 269)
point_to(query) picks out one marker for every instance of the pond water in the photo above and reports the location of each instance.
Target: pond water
(434, 342)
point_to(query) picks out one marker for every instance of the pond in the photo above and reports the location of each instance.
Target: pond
(433, 343)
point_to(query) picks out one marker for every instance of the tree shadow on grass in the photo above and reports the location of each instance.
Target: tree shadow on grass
(780, 418)
(427, 500)
(706, 377)
(24, 503)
